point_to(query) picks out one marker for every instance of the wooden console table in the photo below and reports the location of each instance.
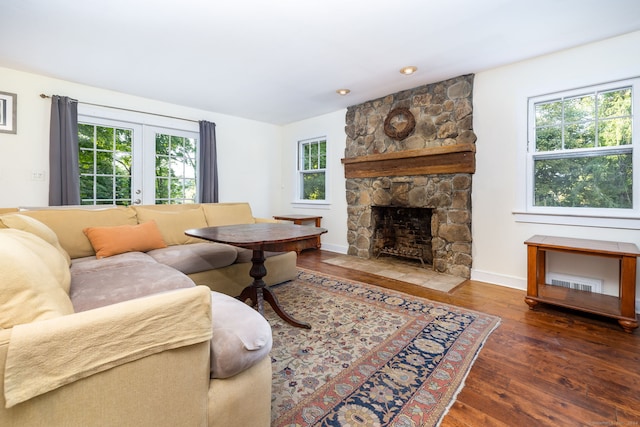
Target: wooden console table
(622, 308)
(300, 220)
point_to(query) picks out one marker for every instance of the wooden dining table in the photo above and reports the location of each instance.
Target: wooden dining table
(261, 237)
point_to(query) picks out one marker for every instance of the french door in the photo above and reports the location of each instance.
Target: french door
(126, 163)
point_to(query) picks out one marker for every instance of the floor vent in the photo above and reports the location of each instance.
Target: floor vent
(587, 284)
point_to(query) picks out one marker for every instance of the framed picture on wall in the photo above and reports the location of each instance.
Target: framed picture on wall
(8, 103)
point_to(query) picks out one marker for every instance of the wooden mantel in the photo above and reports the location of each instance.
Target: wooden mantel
(458, 158)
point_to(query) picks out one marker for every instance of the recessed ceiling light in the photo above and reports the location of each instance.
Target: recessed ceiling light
(408, 70)
(342, 91)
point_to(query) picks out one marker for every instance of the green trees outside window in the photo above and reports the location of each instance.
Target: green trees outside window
(583, 152)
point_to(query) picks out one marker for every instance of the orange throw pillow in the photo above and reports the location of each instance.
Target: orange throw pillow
(108, 241)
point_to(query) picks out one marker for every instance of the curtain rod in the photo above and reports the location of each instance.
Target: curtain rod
(42, 95)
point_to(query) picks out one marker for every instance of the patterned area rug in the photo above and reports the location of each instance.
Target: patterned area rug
(373, 357)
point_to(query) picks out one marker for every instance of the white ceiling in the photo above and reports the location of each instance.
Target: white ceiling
(281, 61)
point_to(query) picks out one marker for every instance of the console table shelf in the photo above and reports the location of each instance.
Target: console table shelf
(620, 307)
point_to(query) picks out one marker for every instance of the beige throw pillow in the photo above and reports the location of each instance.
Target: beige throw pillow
(34, 281)
(69, 224)
(218, 214)
(33, 226)
(172, 224)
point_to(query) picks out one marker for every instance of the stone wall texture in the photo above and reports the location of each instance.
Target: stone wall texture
(444, 116)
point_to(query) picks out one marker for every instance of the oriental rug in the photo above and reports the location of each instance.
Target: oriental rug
(373, 357)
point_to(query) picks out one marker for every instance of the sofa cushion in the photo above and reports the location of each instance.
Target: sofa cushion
(173, 223)
(33, 226)
(241, 336)
(108, 241)
(100, 282)
(34, 279)
(196, 257)
(218, 214)
(68, 225)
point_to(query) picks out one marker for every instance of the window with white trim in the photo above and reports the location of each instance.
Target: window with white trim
(312, 169)
(582, 157)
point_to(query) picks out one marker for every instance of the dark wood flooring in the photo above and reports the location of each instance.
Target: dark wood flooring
(542, 367)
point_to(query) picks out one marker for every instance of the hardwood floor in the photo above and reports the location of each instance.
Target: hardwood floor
(542, 367)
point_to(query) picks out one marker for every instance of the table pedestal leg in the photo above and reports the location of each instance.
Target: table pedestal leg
(258, 291)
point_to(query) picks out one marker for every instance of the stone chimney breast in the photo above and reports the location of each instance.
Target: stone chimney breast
(431, 169)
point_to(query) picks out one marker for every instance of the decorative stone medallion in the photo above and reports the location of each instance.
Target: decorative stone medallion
(399, 123)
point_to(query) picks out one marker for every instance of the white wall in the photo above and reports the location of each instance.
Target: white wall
(500, 122)
(334, 214)
(248, 151)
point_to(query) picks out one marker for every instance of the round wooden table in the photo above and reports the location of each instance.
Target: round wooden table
(262, 237)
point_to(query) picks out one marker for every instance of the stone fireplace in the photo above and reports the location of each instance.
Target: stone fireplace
(427, 174)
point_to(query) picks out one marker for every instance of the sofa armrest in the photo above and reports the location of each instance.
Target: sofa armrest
(164, 389)
(46, 355)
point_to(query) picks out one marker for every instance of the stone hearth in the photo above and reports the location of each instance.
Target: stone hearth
(440, 182)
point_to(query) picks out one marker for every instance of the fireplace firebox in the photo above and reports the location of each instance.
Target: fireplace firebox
(402, 232)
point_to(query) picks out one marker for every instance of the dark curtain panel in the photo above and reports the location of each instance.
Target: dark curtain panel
(208, 163)
(64, 171)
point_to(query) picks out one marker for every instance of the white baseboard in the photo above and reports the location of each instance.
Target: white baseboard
(335, 248)
(499, 279)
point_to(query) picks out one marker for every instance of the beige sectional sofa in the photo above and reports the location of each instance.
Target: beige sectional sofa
(113, 316)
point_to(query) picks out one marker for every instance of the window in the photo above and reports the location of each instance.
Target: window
(312, 164)
(126, 162)
(581, 157)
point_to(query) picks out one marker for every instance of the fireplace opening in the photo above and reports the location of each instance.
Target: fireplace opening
(402, 232)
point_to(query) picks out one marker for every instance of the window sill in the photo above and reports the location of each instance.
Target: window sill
(309, 204)
(578, 220)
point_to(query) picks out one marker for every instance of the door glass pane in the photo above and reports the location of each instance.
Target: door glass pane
(85, 135)
(175, 169)
(105, 163)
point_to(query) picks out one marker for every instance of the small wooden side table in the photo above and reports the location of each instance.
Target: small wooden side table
(622, 307)
(300, 220)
